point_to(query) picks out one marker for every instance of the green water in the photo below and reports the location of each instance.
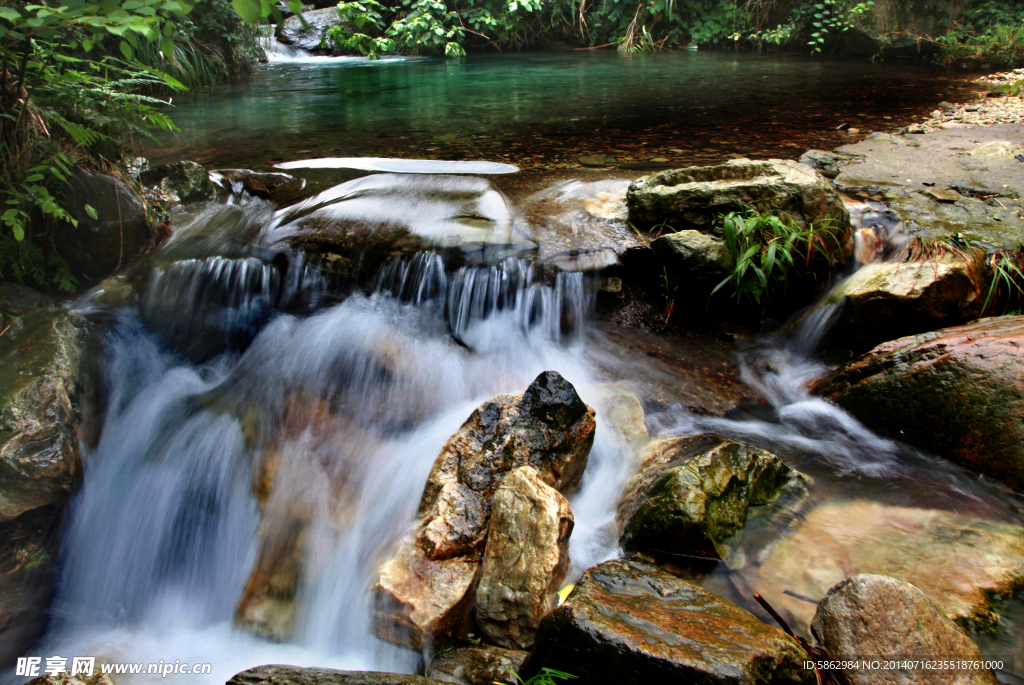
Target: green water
(550, 105)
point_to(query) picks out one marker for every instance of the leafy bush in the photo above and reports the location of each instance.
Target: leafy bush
(764, 248)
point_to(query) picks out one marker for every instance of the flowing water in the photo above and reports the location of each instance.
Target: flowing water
(248, 395)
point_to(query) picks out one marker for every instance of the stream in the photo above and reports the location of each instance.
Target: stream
(230, 356)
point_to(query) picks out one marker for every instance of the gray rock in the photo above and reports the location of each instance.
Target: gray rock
(40, 358)
(631, 623)
(477, 665)
(597, 160)
(695, 256)
(97, 247)
(826, 163)
(16, 300)
(187, 181)
(525, 560)
(695, 196)
(315, 34)
(276, 674)
(692, 495)
(879, 616)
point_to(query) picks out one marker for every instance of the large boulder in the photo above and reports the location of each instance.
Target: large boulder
(693, 197)
(313, 34)
(692, 495)
(425, 590)
(275, 674)
(963, 564)
(477, 665)
(886, 300)
(16, 300)
(95, 248)
(869, 615)
(41, 357)
(956, 392)
(695, 256)
(628, 622)
(525, 560)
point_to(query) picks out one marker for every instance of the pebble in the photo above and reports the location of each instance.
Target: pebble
(985, 111)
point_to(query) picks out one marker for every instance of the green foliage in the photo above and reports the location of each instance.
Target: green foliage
(1011, 88)
(763, 248)
(546, 676)
(1007, 280)
(1001, 44)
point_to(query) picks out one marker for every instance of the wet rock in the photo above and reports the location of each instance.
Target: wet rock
(268, 185)
(826, 163)
(267, 605)
(97, 247)
(597, 160)
(425, 590)
(694, 196)
(962, 564)
(630, 622)
(28, 555)
(953, 392)
(354, 228)
(314, 34)
(995, 149)
(97, 678)
(16, 300)
(187, 181)
(477, 665)
(41, 356)
(692, 495)
(695, 257)
(886, 300)
(878, 615)
(525, 560)
(276, 674)
(620, 409)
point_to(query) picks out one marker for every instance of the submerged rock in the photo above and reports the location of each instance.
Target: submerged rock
(869, 615)
(97, 247)
(886, 300)
(477, 665)
(964, 565)
(695, 196)
(525, 560)
(955, 392)
(41, 356)
(276, 674)
(187, 181)
(629, 622)
(692, 495)
(425, 590)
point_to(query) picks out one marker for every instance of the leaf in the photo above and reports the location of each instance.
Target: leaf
(126, 49)
(91, 211)
(248, 10)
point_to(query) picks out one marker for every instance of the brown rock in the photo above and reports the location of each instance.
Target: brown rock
(955, 392)
(477, 665)
(97, 678)
(425, 591)
(278, 674)
(526, 558)
(630, 622)
(877, 616)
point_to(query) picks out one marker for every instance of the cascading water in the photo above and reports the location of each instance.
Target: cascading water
(315, 434)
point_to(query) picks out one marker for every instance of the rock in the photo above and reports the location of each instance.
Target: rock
(352, 229)
(16, 300)
(28, 556)
(693, 197)
(828, 164)
(41, 356)
(267, 605)
(277, 674)
(187, 181)
(962, 564)
(477, 665)
(525, 560)
(695, 256)
(97, 247)
(629, 622)
(425, 590)
(885, 300)
(268, 185)
(597, 160)
(692, 495)
(311, 38)
(954, 392)
(621, 411)
(878, 615)
(942, 194)
(996, 149)
(97, 677)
